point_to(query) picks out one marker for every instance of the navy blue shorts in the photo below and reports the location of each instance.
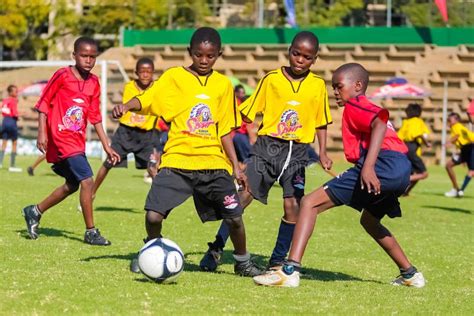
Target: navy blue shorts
(393, 170)
(466, 155)
(9, 128)
(74, 169)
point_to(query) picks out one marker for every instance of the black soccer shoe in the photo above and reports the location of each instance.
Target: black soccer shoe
(211, 259)
(247, 268)
(93, 237)
(30, 171)
(32, 218)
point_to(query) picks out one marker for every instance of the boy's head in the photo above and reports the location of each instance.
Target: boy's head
(303, 52)
(204, 49)
(12, 91)
(144, 70)
(349, 81)
(239, 92)
(413, 110)
(453, 118)
(85, 54)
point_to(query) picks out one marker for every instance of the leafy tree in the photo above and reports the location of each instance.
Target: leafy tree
(325, 13)
(421, 13)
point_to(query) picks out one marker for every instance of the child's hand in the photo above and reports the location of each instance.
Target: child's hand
(42, 141)
(240, 177)
(369, 180)
(112, 156)
(118, 111)
(326, 163)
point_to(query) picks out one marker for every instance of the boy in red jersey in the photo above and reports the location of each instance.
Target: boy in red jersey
(70, 99)
(9, 126)
(380, 175)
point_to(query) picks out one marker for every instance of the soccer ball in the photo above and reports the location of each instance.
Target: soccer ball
(161, 260)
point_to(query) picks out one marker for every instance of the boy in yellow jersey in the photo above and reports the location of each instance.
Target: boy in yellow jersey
(199, 157)
(295, 106)
(463, 138)
(135, 132)
(414, 133)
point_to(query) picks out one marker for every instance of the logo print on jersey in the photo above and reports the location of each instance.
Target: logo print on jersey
(137, 118)
(230, 202)
(199, 120)
(289, 123)
(298, 182)
(73, 120)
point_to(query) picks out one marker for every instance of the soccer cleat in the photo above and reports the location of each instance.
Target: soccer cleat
(453, 193)
(15, 169)
(417, 280)
(147, 179)
(460, 193)
(93, 237)
(211, 259)
(134, 267)
(275, 265)
(32, 218)
(30, 171)
(279, 277)
(247, 268)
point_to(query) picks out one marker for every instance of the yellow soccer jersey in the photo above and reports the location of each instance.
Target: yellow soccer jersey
(292, 110)
(201, 109)
(412, 130)
(146, 122)
(465, 135)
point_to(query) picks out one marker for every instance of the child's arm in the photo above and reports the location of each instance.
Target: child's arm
(112, 156)
(42, 140)
(120, 109)
(425, 140)
(368, 177)
(321, 133)
(229, 149)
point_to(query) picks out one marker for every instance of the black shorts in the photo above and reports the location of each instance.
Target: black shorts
(265, 165)
(132, 140)
(74, 169)
(9, 128)
(214, 193)
(467, 156)
(417, 165)
(392, 169)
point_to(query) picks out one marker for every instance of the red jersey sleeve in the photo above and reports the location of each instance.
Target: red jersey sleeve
(94, 115)
(50, 91)
(360, 118)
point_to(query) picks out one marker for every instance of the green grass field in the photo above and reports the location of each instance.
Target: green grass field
(346, 272)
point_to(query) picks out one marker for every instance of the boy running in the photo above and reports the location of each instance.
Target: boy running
(9, 126)
(199, 157)
(69, 100)
(380, 175)
(295, 106)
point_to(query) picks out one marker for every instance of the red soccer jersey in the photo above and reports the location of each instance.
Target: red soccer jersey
(69, 103)
(357, 118)
(10, 107)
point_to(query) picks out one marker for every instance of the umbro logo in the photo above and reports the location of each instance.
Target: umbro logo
(293, 103)
(78, 100)
(203, 96)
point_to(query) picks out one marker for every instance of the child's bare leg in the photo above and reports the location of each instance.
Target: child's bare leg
(419, 176)
(385, 239)
(85, 199)
(59, 194)
(101, 174)
(452, 176)
(153, 224)
(311, 205)
(237, 234)
(38, 161)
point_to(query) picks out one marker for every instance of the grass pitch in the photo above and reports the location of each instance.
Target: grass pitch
(346, 272)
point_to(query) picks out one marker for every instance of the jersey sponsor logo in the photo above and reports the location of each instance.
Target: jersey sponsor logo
(137, 119)
(6, 110)
(293, 103)
(230, 202)
(289, 124)
(73, 120)
(78, 101)
(199, 120)
(298, 182)
(203, 96)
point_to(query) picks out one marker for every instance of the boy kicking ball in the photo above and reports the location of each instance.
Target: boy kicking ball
(380, 175)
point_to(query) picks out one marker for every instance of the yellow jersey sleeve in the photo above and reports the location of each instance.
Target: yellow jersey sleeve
(154, 98)
(323, 117)
(145, 122)
(465, 136)
(228, 116)
(402, 132)
(256, 102)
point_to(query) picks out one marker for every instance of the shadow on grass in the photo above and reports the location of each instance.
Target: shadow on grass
(51, 232)
(450, 209)
(115, 209)
(127, 257)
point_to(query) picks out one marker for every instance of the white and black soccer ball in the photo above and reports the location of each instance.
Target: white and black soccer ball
(161, 260)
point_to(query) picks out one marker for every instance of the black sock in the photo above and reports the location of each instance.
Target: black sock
(290, 266)
(408, 273)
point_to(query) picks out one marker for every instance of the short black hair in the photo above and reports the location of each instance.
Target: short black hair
(306, 36)
(144, 61)
(10, 88)
(84, 40)
(356, 71)
(238, 87)
(206, 34)
(413, 110)
(456, 115)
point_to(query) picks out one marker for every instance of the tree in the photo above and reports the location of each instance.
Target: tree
(325, 13)
(421, 13)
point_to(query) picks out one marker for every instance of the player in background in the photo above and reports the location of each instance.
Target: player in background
(463, 138)
(381, 174)
(199, 158)
(9, 126)
(295, 107)
(244, 136)
(135, 131)
(69, 100)
(414, 133)
(31, 169)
